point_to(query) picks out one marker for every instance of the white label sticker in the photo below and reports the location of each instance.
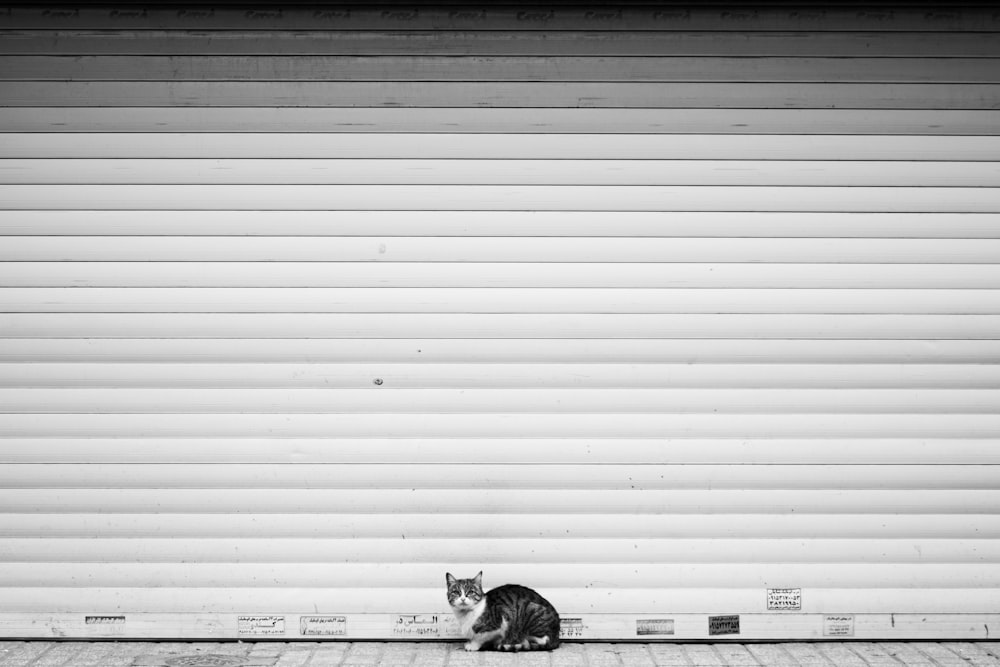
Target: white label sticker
(570, 628)
(654, 626)
(417, 625)
(838, 626)
(270, 626)
(784, 599)
(326, 626)
(104, 626)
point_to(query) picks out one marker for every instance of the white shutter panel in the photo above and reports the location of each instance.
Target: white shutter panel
(688, 319)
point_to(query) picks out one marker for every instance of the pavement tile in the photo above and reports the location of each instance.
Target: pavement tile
(58, 655)
(271, 649)
(18, 654)
(736, 655)
(803, 654)
(635, 655)
(939, 655)
(560, 659)
(533, 659)
(874, 654)
(906, 654)
(669, 655)
(972, 653)
(841, 655)
(602, 655)
(774, 654)
(293, 659)
(319, 660)
(703, 655)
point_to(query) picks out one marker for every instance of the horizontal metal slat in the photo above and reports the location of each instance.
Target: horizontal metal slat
(501, 198)
(543, 575)
(517, 325)
(904, 529)
(497, 43)
(510, 475)
(503, 425)
(246, 600)
(428, 350)
(674, 557)
(495, 375)
(502, 501)
(883, 18)
(490, 450)
(448, 401)
(453, 144)
(432, 94)
(493, 300)
(494, 275)
(421, 66)
(470, 121)
(609, 224)
(519, 250)
(499, 172)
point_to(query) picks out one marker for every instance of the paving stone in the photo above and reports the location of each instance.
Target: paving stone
(19, 654)
(533, 659)
(58, 655)
(272, 649)
(293, 659)
(560, 659)
(939, 654)
(841, 655)
(803, 654)
(703, 655)
(972, 653)
(906, 654)
(874, 654)
(669, 655)
(635, 655)
(735, 654)
(772, 654)
(602, 655)
(324, 660)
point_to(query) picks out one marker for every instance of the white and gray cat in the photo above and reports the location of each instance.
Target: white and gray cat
(506, 618)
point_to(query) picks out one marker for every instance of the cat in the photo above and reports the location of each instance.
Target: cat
(506, 618)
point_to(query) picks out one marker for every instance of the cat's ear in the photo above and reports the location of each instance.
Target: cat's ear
(479, 579)
(450, 580)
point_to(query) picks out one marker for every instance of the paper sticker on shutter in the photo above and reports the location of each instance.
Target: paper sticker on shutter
(724, 625)
(104, 626)
(261, 626)
(417, 625)
(654, 626)
(323, 626)
(838, 626)
(784, 599)
(570, 628)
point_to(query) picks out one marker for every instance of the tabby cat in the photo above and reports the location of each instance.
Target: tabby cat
(507, 618)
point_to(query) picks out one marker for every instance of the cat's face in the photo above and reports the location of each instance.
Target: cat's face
(464, 593)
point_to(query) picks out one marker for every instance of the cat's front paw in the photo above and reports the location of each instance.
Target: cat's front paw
(471, 646)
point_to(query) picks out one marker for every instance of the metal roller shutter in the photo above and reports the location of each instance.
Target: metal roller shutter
(688, 318)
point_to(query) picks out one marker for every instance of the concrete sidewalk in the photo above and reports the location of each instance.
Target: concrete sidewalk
(451, 654)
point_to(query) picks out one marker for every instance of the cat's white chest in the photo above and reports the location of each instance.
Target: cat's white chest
(467, 620)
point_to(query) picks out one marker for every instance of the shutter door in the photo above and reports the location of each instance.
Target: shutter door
(687, 318)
